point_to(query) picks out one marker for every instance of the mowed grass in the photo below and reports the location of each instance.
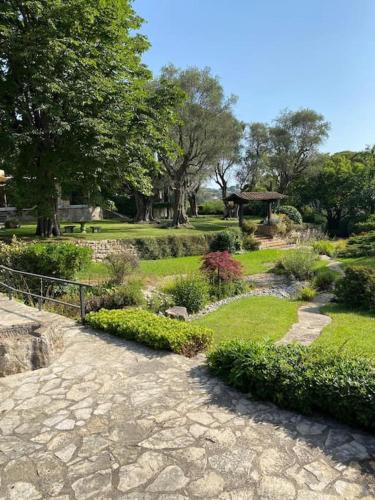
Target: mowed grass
(253, 262)
(252, 318)
(350, 331)
(116, 229)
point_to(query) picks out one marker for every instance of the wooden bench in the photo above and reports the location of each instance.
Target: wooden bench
(96, 229)
(69, 229)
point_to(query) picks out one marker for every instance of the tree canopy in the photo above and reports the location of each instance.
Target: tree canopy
(76, 105)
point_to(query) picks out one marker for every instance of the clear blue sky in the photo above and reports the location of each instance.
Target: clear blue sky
(277, 54)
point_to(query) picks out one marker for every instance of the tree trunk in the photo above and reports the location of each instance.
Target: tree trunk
(144, 208)
(333, 222)
(224, 193)
(192, 197)
(179, 211)
(48, 222)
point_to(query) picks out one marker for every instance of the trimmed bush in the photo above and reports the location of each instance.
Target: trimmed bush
(172, 246)
(248, 227)
(364, 226)
(154, 331)
(293, 214)
(307, 294)
(357, 287)
(191, 292)
(249, 242)
(226, 241)
(300, 378)
(360, 246)
(299, 263)
(325, 279)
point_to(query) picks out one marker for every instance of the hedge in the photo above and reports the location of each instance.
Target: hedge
(154, 331)
(172, 246)
(306, 379)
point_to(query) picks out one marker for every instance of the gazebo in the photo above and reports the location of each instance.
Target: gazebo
(246, 197)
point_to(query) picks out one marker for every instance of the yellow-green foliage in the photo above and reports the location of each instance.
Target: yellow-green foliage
(154, 331)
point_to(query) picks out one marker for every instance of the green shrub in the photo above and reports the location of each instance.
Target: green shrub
(357, 287)
(293, 214)
(249, 242)
(160, 302)
(325, 279)
(225, 289)
(248, 227)
(212, 207)
(229, 241)
(154, 331)
(191, 292)
(115, 297)
(300, 378)
(307, 294)
(299, 263)
(359, 246)
(60, 260)
(325, 247)
(364, 226)
(171, 246)
(121, 265)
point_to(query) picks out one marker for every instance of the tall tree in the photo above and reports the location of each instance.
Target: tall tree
(230, 154)
(294, 141)
(342, 186)
(256, 158)
(73, 96)
(198, 133)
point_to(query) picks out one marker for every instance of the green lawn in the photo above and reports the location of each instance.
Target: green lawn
(253, 262)
(252, 318)
(359, 261)
(115, 229)
(350, 331)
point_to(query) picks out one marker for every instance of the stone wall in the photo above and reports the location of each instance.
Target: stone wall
(102, 248)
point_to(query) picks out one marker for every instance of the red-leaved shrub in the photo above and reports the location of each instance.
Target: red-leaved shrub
(221, 267)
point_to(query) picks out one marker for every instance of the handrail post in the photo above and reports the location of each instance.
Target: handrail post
(10, 295)
(82, 301)
(40, 299)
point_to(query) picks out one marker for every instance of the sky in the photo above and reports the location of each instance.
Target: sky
(276, 55)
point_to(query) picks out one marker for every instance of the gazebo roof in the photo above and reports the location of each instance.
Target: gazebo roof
(246, 196)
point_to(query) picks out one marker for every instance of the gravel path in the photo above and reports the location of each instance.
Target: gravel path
(110, 419)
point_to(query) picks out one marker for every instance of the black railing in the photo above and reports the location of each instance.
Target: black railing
(8, 282)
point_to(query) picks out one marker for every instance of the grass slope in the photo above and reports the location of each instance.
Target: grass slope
(253, 262)
(114, 229)
(350, 330)
(252, 318)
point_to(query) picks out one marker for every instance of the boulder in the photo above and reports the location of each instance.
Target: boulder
(29, 346)
(177, 312)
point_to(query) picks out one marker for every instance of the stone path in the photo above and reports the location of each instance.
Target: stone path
(310, 321)
(112, 419)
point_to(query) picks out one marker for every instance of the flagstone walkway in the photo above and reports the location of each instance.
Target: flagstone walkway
(112, 419)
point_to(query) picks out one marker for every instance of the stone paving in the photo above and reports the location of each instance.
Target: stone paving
(112, 419)
(310, 321)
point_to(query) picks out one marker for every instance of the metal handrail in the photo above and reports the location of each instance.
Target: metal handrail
(41, 297)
